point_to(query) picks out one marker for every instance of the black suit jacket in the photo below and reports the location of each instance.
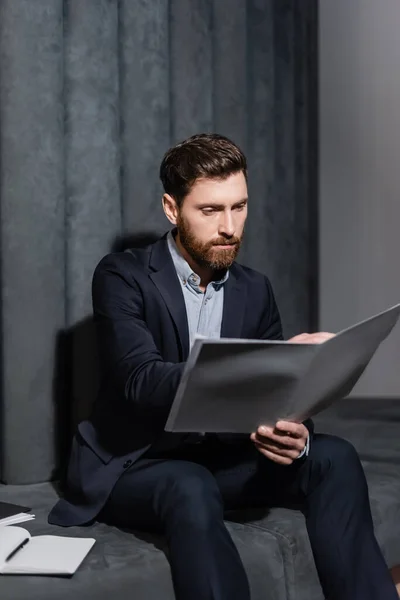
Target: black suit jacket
(143, 342)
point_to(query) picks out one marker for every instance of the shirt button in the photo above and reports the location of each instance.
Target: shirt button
(127, 463)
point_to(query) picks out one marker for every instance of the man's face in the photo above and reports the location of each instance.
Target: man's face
(211, 220)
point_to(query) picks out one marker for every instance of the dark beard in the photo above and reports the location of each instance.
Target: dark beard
(206, 255)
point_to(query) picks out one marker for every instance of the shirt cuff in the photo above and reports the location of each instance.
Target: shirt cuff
(305, 450)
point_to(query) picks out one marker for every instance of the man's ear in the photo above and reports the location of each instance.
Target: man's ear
(170, 208)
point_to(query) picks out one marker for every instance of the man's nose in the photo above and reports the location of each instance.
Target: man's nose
(227, 226)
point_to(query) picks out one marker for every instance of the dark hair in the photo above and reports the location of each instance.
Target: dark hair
(205, 155)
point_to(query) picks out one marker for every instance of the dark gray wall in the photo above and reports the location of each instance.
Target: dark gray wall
(92, 94)
(360, 174)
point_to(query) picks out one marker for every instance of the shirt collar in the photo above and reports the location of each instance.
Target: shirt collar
(183, 269)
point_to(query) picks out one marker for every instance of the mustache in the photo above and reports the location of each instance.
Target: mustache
(225, 242)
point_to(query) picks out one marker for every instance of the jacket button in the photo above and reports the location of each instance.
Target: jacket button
(127, 463)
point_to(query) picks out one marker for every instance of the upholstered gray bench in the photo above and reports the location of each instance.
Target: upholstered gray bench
(273, 544)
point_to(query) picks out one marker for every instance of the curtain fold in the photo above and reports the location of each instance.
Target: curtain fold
(145, 110)
(229, 73)
(32, 230)
(92, 194)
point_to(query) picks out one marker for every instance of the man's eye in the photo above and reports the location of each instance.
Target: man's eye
(207, 211)
(241, 207)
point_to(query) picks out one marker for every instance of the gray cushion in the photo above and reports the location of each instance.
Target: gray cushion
(131, 565)
(273, 544)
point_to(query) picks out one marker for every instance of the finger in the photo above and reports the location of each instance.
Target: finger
(285, 452)
(321, 337)
(297, 430)
(280, 442)
(265, 431)
(286, 433)
(326, 335)
(281, 460)
(317, 337)
(299, 337)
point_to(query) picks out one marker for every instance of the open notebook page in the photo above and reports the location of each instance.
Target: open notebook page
(45, 554)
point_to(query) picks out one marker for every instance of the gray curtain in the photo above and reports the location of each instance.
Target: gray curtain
(92, 93)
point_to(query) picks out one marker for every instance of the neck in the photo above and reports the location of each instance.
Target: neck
(206, 274)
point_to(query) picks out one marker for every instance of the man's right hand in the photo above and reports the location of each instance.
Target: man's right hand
(312, 338)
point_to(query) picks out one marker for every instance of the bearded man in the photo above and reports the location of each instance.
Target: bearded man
(148, 304)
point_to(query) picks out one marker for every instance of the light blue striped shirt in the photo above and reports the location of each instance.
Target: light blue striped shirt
(204, 309)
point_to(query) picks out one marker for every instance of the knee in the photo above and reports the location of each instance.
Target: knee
(193, 498)
(338, 450)
(339, 458)
(337, 467)
(336, 455)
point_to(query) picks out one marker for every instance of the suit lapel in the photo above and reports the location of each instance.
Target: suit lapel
(166, 280)
(235, 294)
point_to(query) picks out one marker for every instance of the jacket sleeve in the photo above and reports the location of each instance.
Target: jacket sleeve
(127, 350)
(271, 329)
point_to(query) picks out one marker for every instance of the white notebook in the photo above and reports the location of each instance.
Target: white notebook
(21, 554)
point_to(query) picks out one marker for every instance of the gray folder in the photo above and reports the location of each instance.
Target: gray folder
(235, 385)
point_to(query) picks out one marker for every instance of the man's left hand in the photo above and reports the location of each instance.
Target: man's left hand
(283, 443)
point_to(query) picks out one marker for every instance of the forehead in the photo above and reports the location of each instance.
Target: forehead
(226, 191)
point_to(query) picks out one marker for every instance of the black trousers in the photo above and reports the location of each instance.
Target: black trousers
(184, 495)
